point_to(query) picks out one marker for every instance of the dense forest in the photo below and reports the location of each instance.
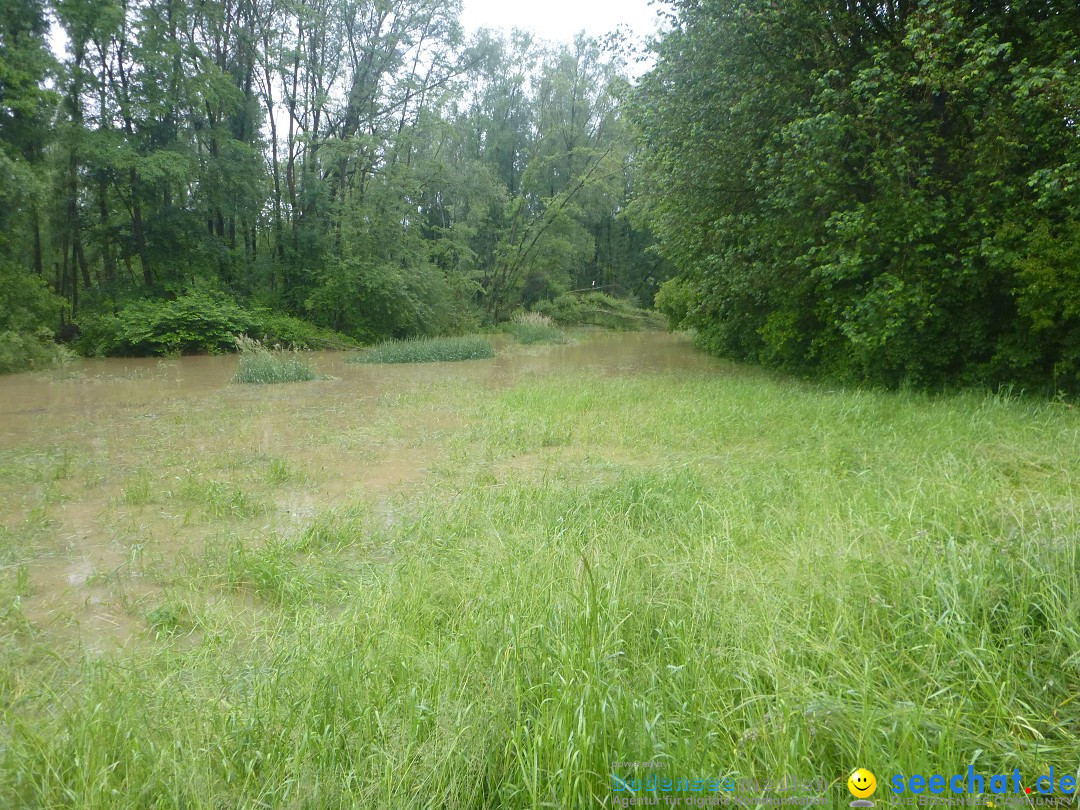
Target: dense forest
(186, 170)
(877, 192)
(884, 192)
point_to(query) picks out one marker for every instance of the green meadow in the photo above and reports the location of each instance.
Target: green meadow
(438, 588)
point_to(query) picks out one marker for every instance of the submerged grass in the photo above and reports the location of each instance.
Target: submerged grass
(428, 350)
(261, 365)
(737, 576)
(531, 327)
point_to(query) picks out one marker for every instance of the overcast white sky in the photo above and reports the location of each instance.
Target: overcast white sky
(549, 19)
(560, 19)
(556, 20)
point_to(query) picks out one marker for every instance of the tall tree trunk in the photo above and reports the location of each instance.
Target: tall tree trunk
(275, 168)
(108, 262)
(71, 204)
(72, 224)
(36, 225)
(80, 257)
(137, 225)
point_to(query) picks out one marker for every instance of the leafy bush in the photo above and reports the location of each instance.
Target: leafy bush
(274, 328)
(20, 351)
(598, 309)
(675, 299)
(26, 302)
(566, 309)
(196, 323)
(428, 350)
(532, 327)
(260, 365)
(372, 299)
(28, 310)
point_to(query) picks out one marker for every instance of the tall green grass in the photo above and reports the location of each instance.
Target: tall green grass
(261, 365)
(738, 576)
(531, 327)
(428, 350)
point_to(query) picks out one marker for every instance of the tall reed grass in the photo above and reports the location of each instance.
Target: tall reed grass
(261, 365)
(428, 350)
(532, 327)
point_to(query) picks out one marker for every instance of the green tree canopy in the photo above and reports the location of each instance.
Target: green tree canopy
(886, 192)
(356, 163)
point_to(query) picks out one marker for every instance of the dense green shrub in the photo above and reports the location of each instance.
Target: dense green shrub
(598, 309)
(273, 328)
(20, 351)
(675, 300)
(428, 350)
(196, 323)
(28, 314)
(378, 299)
(565, 309)
(26, 303)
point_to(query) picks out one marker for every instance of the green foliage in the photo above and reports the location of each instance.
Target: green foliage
(26, 302)
(448, 184)
(276, 329)
(532, 327)
(532, 177)
(196, 323)
(675, 300)
(428, 350)
(597, 309)
(1048, 301)
(28, 310)
(877, 193)
(20, 351)
(371, 301)
(190, 324)
(261, 365)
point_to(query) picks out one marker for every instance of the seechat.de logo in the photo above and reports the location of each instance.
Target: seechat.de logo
(862, 785)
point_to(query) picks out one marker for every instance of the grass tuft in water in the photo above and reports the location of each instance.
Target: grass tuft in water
(218, 500)
(428, 350)
(532, 327)
(260, 365)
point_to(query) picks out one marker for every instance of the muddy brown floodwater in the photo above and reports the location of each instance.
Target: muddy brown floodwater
(110, 469)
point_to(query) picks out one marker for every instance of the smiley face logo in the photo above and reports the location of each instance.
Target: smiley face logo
(862, 784)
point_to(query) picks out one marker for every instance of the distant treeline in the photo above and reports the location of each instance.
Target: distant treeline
(355, 163)
(878, 191)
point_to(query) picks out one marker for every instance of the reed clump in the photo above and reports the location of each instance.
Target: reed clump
(533, 327)
(428, 350)
(261, 365)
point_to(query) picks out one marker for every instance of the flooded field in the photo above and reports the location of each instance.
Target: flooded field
(112, 470)
(483, 584)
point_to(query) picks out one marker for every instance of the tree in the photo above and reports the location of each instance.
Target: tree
(864, 189)
(25, 105)
(352, 162)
